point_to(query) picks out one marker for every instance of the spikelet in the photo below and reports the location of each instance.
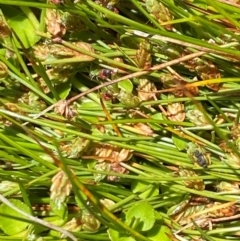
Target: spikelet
(159, 12)
(143, 55)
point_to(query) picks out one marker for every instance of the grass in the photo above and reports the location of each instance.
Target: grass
(119, 120)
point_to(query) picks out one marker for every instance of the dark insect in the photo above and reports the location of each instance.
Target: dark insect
(105, 73)
(200, 159)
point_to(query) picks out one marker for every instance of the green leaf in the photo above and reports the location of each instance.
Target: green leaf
(64, 89)
(141, 216)
(59, 208)
(126, 85)
(179, 142)
(118, 236)
(139, 185)
(158, 232)
(21, 25)
(11, 221)
(113, 234)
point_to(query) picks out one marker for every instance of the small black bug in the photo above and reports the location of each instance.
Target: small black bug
(105, 73)
(200, 159)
